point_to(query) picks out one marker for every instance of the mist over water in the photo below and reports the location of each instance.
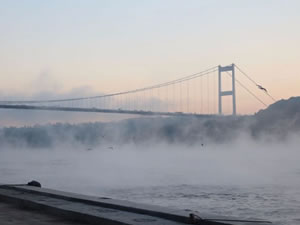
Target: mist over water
(132, 166)
(245, 178)
(140, 56)
(246, 167)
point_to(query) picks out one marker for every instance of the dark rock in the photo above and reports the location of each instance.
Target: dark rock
(34, 183)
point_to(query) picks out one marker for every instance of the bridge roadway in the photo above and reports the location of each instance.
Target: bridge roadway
(99, 110)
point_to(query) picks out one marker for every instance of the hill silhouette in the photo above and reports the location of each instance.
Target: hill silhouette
(279, 119)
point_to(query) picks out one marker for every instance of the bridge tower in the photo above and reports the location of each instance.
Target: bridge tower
(231, 92)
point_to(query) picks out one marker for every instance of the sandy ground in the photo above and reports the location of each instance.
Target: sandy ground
(11, 215)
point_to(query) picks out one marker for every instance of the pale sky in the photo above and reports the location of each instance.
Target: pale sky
(109, 46)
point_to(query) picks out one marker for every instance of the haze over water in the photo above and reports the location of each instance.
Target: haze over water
(244, 166)
(245, 179)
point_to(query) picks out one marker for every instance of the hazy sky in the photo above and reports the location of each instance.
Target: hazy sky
(108, 46)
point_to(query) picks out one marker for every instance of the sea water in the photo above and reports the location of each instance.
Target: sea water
(243, 181)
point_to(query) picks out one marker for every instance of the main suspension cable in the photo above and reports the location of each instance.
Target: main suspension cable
(186, 78)
(256, 84)
(250, 92)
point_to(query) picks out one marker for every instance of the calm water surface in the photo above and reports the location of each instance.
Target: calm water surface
(245, 185)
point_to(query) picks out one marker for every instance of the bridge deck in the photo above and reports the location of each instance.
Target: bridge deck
(99, 110)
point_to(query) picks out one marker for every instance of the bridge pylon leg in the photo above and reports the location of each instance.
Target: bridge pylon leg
(231, 92)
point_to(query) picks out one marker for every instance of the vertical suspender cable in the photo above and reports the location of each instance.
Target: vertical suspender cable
(208, 94)
(214, 93)
(201, 95)
(180, 98)
(188, 96)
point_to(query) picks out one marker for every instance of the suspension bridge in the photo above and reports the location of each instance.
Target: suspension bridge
(199, 94)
